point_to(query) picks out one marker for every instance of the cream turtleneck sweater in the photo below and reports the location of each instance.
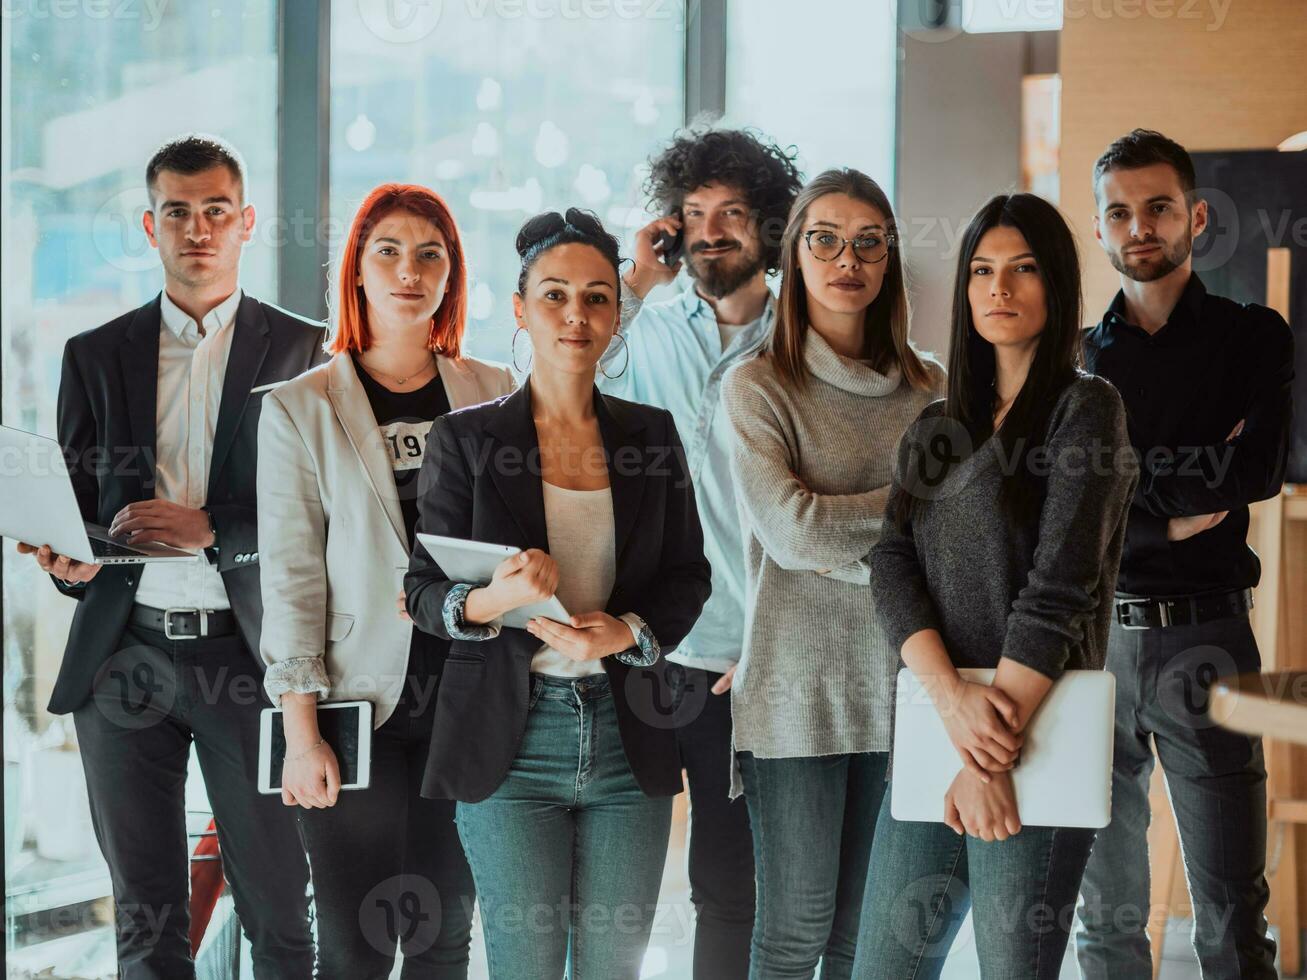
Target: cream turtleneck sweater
(812, 471)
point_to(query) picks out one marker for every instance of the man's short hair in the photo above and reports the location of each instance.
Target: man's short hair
(1143, 148)
(738, 158)
(193, 154)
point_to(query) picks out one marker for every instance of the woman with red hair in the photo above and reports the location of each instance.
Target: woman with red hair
(340, 449)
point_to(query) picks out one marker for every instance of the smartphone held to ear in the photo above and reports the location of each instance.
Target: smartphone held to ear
(670, 247)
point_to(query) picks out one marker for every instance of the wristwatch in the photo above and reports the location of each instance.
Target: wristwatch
(211, 552)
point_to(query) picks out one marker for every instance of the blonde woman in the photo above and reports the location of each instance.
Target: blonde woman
(817, 417)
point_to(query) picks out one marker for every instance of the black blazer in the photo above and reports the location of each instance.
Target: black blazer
(107, 406)
(481, 480)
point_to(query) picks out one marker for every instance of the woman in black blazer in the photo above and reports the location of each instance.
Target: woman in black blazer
(557, 740)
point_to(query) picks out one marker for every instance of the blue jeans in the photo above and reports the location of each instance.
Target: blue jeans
(924, 877)
(813, 820)
(568, 852)
(1216, 780)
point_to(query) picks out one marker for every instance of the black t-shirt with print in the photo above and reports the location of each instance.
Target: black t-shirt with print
(404, 418)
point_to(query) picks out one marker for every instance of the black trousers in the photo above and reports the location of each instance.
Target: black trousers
(152, 699)
(388, 866)
(720, 842)
(1216, 780)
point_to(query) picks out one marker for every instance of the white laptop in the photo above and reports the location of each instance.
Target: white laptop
(1064, 776)
(475, 562)
(38, 506)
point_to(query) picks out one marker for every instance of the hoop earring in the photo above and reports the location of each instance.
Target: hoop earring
(529, 357)
(625, 364)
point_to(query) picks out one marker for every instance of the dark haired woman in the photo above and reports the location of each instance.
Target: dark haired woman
(1007, 559)
(552, 738)
(339, 451)
(817, 418)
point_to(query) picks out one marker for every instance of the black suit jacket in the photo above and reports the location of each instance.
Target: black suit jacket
(481, 480)
(107, 425)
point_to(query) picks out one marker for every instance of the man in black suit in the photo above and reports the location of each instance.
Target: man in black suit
(158, 413)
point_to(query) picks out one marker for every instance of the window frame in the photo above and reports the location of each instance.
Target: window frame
(304, 126)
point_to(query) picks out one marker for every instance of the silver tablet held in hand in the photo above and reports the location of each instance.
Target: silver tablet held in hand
(475, 562)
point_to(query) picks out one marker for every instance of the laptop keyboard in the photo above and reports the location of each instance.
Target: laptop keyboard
(107, 549)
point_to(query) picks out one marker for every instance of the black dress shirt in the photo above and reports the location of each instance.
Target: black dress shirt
(1186, 388)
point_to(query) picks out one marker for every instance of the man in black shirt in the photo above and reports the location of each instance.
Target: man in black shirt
(1206, 384)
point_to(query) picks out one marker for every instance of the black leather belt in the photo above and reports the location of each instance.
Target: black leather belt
(184, 624)
(1143, 613)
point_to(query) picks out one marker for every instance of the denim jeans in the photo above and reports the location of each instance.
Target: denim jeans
(812, 820)
(568, 852)
(720, 846)
(924, 877)
(388, 867)
(1216, 780)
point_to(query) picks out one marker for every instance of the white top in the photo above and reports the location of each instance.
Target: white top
(582, 542)
(189, 394)
(729, 331)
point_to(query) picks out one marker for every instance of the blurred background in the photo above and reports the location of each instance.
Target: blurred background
(510, 107)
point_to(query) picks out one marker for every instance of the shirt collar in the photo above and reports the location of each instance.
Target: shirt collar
(1187, 311)
(180, 323)
(696, 305)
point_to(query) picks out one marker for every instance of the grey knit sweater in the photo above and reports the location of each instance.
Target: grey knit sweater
(812, 471)
(1040, 594)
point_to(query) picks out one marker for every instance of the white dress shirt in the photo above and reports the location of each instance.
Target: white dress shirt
(191, 372)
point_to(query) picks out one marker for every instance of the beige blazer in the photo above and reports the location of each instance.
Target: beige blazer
(332, 547)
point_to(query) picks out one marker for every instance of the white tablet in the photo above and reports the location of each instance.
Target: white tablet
(1064, 778)
(475, 562)
(344, 725)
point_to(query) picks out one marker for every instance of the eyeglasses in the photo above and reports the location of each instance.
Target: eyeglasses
(826, 246)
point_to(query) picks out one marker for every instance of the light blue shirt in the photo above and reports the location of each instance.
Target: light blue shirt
(677, 363)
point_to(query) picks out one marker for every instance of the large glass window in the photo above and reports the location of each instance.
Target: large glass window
(822, 80)
(506, 108)
(89, 90)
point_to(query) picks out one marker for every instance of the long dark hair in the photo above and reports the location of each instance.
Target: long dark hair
(969, 406)
(886, 325)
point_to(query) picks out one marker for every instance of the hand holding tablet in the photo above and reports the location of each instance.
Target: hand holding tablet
(527, 578)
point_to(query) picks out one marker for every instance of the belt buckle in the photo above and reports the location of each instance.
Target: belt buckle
(1135, 602)
(167, 622)
(1164, 611)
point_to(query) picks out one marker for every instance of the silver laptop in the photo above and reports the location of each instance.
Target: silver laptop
(1064, 776)
(38, 506)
